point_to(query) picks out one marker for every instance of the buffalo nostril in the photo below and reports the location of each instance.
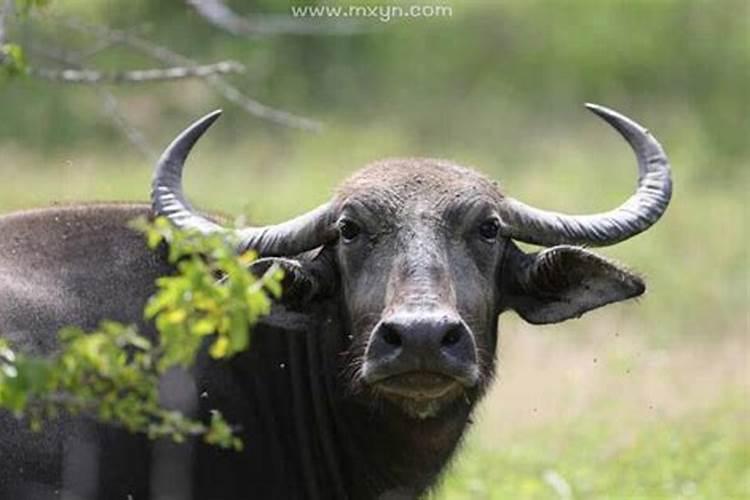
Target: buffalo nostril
(451, 337)
(392, 337)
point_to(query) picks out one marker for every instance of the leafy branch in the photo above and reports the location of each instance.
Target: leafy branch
(113, 372)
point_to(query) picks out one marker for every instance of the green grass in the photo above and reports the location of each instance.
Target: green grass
(703, 455)
(609, 416)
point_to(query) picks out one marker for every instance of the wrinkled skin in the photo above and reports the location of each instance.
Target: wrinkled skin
(420, 252)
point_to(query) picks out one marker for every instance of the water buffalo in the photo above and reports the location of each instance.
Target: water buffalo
(362, 381)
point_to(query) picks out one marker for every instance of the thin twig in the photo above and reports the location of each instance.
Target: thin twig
(88, 76)
(132, 133)
(220, 15)
(96, 48)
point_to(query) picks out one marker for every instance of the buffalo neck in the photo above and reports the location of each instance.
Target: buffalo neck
(306, 433)
(369, 447)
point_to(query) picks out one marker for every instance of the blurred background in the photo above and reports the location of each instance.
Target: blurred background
(646, 399)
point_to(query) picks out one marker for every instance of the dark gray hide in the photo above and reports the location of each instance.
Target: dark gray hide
(361, 382)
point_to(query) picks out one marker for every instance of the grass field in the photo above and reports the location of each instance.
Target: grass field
(609, 416)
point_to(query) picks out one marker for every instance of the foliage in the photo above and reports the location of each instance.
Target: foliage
(25, 6)
(192, 304)
(12, 60)
(113, 373)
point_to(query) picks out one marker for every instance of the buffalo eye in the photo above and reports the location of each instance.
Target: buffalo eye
(489, 229)
(349, 229)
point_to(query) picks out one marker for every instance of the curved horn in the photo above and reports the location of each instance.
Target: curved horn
(295, 236)
(532, 225)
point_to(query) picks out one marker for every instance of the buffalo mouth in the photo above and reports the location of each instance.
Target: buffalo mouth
(419, 386)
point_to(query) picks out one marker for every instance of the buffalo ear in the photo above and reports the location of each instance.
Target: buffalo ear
(297, 285)
(307, 277)
(564, 282)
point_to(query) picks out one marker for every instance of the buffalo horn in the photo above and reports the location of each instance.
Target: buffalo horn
(541, 227)
(294, 236)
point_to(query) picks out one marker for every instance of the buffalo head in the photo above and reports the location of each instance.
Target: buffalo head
(422, 256)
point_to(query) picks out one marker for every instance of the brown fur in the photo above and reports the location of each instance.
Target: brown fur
(402, 179)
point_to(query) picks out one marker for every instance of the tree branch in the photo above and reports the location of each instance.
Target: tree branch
(111, 103)
(131, 133)
(220, 15)
(224, 88)
(6, 9)
(87, 76)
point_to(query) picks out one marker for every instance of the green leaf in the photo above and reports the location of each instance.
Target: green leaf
(12, 60)
(25, 6)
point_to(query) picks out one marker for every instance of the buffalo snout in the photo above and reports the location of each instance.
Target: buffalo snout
(437, 345)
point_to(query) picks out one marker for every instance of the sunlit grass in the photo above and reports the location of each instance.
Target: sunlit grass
(592, 415)
(702, 455)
